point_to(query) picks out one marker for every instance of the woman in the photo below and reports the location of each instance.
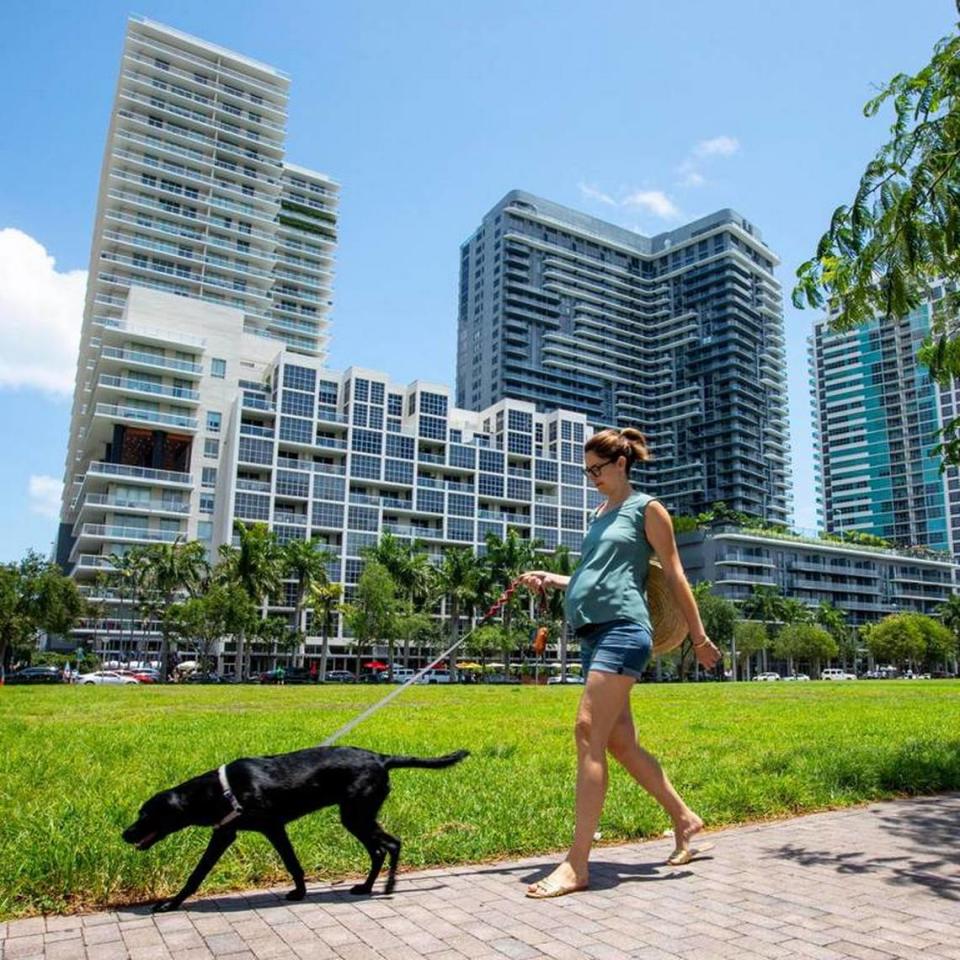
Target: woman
(606, 605)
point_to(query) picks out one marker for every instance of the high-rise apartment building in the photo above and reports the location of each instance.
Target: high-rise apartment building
(876, 413)
(680, 334)
(196, 200)
(202, 394)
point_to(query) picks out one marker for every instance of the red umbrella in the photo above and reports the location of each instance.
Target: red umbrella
(376, 665)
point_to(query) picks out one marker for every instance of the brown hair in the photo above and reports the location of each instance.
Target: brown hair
(611, 444)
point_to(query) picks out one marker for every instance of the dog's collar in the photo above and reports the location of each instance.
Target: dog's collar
(235, 809)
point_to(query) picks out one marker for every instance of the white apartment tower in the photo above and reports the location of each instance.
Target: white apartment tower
(196, 201)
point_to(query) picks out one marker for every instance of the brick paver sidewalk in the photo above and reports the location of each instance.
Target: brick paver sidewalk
(876, 882)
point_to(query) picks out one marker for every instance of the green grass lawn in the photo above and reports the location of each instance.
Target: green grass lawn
(76, 763)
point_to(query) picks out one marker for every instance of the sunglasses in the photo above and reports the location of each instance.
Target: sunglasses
(597, 468)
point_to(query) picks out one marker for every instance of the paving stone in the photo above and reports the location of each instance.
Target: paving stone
(856, 884)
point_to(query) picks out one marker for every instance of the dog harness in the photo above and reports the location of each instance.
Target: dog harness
(236, 809)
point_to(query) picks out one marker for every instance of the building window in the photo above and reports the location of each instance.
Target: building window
(218, 368)
(204, 530)
(211, 448)
(206, 502)
(209, 477)
(214, 419)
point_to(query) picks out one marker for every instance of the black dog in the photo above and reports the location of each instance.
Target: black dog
(266, 793)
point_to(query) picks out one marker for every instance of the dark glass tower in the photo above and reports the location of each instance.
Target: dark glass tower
(680, 334)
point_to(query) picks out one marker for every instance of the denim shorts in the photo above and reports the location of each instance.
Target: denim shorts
(619, 646)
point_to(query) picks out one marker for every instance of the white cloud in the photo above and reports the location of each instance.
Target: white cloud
(717, 147)
(41, 310)
(689, 170)
(691, 177)
(590, 192)
(44, 494)
(653, 201)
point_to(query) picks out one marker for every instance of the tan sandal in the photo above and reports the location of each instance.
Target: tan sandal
(680, 857)
(546, 889)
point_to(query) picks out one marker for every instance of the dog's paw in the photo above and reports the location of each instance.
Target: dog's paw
(296, 894)
(361, 889)
(165, 906)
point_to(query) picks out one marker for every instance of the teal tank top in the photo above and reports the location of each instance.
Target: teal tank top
(610, 581)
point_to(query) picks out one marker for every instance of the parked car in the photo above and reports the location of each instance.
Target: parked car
(36, 675)
(373, 676)
(106, 678)
(435, 676)
(402, 674)
(290, 675)
(568, 679)
(144, 674)
(770, 676)
(797, 676)
(197, 677)
(500, 678)
(835, 673)
(340, 676)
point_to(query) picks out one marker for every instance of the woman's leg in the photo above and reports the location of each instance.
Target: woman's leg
(603, 701)
(646, 770)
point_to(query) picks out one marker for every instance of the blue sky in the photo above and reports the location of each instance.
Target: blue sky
(645, 113)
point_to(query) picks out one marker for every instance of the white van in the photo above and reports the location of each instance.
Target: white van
(435, 676)
(403, 674)
(835, 673)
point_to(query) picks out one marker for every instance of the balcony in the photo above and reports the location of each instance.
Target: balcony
(141, 474)
(329, 415)
(253, 402)
(94, 561)
(155, 333)
(295, 519)
(152, 361)
(104, 531)
(132, 385)
(106, 501)
(253, 486)
(136, 415)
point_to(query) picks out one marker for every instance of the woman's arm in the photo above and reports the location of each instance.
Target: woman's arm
(543, 580)
(659, 530)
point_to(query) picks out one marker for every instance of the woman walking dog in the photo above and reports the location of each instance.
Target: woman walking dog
(607, 607)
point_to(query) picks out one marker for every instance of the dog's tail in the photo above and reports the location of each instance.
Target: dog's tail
(431, 762)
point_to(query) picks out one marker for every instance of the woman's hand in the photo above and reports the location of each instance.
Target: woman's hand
(706, 652)
(540, 580)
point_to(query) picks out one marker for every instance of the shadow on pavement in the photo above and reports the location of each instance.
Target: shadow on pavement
(928, 834)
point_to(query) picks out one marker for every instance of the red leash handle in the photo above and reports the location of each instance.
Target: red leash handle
(540, 638)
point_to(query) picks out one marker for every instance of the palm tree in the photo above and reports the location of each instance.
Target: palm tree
(950, 615)
(411, 570)
(834, 621)
(255, 565)
(174, 568)
(306, 561)
(765, 604)
(562, 563)
(507, 559)
(457, 579)
(132, 571)
(325, 598)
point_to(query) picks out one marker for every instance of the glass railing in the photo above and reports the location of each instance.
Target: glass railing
(252, 430)
(151, 359)
(257, 403)
(139, 473)
(297, 519)
(112, 532)
(145, 386)
(253, 486)
(330, 415)
(147, 416)
(129, 503)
